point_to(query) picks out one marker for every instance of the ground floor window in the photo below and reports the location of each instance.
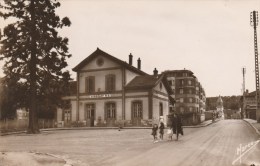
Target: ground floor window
(90, 111)
(137, 109)
(110, 110)
(67, 115)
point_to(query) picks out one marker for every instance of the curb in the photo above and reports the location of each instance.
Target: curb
(205, 125)
(256, 130)
(99, 128)
(11, 133)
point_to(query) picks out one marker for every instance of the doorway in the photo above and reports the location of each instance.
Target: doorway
(137, 113)
(90, 114)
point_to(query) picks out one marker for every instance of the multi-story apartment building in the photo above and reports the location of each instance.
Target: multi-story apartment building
(110, 91)
(189, 95)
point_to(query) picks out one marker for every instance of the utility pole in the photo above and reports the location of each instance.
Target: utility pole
(243, 111)
(254, 24)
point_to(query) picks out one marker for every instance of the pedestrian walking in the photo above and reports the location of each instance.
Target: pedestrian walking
(154, 132)
(177, 126)
(161, 130)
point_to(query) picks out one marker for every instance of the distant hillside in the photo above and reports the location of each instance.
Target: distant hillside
(229, 102)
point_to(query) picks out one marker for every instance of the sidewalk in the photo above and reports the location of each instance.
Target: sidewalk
(254, 124)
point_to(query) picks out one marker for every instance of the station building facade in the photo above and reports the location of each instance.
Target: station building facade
(111, 92)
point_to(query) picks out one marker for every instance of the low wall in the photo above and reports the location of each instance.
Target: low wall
(12, 125)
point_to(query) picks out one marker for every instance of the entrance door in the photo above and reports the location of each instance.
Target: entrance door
(90, 114)
(137, 113)
(67, 117)
(110, 113)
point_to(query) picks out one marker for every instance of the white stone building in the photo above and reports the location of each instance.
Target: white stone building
(110, 92)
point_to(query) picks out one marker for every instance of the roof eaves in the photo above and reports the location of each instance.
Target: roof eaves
(81, 64)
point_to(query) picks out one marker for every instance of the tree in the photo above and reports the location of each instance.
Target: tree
(12, 97)
(33, 51)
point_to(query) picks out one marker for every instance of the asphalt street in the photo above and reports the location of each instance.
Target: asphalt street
(226, 142)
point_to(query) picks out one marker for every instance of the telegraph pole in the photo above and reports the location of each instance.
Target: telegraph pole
(244, 88)
(254, 24)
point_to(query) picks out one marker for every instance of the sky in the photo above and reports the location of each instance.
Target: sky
(212, 38)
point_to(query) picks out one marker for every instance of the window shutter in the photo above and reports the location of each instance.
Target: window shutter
(87, 85)
(110, 82)
(91, 84)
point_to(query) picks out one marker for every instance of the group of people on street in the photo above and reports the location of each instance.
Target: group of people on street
(174, 128)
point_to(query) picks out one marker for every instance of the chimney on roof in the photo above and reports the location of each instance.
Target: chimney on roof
(155, 72)
(139, 63)
(130, 59)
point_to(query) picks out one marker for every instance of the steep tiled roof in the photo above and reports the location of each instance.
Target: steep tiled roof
(100, 52)
(177, 71)
(148, 82)
(142, 82)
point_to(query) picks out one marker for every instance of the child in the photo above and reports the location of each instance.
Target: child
(161, 130)
(154, 132)
(170, 133)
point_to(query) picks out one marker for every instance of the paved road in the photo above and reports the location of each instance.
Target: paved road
(215, 145)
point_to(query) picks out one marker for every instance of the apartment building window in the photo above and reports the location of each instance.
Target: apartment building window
(181, 91)
(170, 82)
(190, 91)
(189, 82)
(190, 109)
(181, 82)
(181, 100)
(110, 110)
(185, 74)
(190, 100)
(90, 84)
(181, 109)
